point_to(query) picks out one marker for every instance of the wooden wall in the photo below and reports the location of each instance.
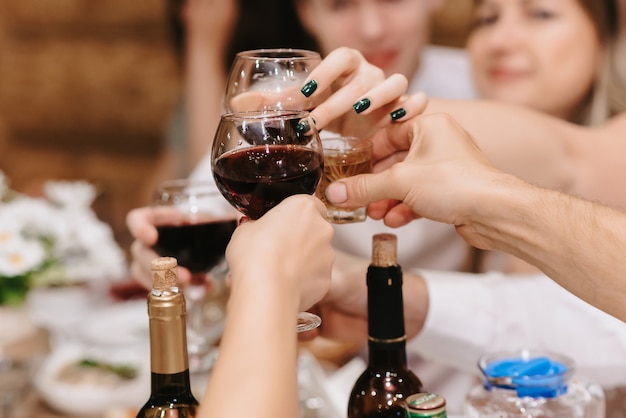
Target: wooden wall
(86, 89)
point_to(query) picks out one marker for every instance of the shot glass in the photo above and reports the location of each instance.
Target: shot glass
(344, 157)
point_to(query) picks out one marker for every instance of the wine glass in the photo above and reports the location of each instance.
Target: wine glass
(270, 79)
(194, 225)
(260, 158)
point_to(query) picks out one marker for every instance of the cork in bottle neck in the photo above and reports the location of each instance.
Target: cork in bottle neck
(384, 250)
(164, 275)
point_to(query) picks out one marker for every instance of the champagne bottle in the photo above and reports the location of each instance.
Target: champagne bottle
(169, 363)
(382, 389)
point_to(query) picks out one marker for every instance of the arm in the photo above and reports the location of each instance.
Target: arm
(271, 281)
(545, 150)
(209, 25)
(445, 177)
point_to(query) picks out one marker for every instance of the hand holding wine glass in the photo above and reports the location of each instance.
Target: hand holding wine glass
(194, 225)
(260, 158)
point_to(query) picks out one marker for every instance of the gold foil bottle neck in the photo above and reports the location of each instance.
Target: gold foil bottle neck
(164, 274)
(385, 250)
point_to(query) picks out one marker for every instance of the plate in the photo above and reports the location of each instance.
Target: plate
(90, 398)
(125, 323)
(116, 334)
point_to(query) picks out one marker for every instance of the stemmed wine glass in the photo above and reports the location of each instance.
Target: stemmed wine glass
(264, 79)
(260, 158)
(194, 225)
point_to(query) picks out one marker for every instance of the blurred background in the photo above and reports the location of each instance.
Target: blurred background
(87, 90)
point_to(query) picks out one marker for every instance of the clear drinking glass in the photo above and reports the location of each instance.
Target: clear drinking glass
(195, 225)
(344, 156)
(260, 158)
(532, 384)
(270, 79)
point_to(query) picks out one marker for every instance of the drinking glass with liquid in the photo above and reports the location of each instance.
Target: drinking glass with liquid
(532, 384)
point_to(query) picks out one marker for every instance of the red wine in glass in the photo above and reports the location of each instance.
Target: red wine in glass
(197, 246)
(256, 179)
(194, 225)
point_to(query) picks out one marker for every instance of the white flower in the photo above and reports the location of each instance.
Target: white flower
(70, 194)
(20, 256)
(61, 233)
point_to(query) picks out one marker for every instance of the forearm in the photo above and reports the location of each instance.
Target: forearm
(257, 363)
(205, 81)
(538, 148)
(579, 244)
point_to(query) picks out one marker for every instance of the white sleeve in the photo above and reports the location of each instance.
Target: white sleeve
(472, 314)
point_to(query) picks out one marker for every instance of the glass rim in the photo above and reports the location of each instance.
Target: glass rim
(264, 54)
(265, 114)
(353, 143)
(182, 185)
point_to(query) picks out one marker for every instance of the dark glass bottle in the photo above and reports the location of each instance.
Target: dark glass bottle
(382, 389)
(170, 390)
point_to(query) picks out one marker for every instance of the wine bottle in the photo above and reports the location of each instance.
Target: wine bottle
(169, 363)
(382, 389)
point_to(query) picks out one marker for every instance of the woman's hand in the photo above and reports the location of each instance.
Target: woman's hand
(289, 246)
(359, 99)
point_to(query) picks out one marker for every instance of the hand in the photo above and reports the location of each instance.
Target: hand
(344, 309)
(140, 223)
(346, 78)
(440, 176)
(290, 245)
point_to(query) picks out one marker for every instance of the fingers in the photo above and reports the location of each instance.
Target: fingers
(140, 223)
(359, 89)
(363, 189)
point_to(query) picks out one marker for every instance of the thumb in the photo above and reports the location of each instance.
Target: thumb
(363, 189)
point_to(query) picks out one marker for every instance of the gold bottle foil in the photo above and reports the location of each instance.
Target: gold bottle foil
(166, 310)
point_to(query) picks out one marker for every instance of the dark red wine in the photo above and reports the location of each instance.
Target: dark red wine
(256, 179)
(199, 247)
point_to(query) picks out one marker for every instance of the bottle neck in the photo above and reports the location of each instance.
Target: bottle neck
(387, 338)
(171, 386)
(168, 337)
(385, 308)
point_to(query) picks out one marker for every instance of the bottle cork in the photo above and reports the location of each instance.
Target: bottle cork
(384, 250)
(164, 274)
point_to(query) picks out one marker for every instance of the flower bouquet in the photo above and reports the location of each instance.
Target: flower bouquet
(53, 240)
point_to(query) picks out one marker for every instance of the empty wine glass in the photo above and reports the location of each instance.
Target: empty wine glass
(260, 158)
(270, 79)
(195, 225)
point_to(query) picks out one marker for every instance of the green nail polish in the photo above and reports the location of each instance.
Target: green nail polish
(303, 127)
(398, 113)
(361, 105)
(309, 88)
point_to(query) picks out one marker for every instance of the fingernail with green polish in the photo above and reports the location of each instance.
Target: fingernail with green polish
(398, 113)
(309, 88)
(361, 105)
(303, 127)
